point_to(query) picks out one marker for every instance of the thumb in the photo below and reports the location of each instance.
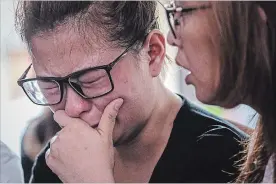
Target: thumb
(108, 118)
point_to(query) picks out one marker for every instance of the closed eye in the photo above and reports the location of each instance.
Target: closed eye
(90, 83)
(48, 88)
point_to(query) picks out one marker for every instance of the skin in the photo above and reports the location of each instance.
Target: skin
(197, 50)
(143, 123)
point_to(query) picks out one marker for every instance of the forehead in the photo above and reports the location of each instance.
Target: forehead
(66, 51)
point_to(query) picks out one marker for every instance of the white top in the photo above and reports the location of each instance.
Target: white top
(268, 176)
(10, 166)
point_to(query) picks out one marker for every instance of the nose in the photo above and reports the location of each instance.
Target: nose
(75, 105)
(172, 40)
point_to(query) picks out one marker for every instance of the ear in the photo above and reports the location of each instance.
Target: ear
(156, 48)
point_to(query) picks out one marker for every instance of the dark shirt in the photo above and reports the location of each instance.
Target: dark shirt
(201, 149)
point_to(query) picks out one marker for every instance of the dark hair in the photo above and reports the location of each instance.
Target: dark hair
(247, 48)
(124, 22)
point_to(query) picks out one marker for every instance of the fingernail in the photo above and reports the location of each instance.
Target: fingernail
(118, 104)
(47, 153)
(53, 139)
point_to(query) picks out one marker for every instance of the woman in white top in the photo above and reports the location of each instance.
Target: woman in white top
(10, 169)
(229, 48)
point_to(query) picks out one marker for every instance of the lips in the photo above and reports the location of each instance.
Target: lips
(188, 79)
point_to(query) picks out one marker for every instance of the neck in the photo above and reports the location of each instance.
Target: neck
(154, 136)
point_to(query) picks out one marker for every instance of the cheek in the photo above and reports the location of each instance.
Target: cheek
(196, 38)
(206, 80)
(126, 80)
(205, 66)
(206, 73)
(130, 83)
(202, 58)
(123, 88)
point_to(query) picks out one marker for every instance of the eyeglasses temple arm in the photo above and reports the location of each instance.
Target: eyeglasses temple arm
(25, 73)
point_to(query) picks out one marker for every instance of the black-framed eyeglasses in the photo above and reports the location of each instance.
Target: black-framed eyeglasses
(171, 11)
(89, 83)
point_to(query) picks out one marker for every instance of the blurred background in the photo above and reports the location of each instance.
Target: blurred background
(17, 111)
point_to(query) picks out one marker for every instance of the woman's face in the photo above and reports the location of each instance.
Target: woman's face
(197, 42)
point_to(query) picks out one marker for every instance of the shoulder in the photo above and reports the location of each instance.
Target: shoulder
(202, 148)
(216, 144)
(200, 121)
(208, 132)
(10, 163)
(41, 173)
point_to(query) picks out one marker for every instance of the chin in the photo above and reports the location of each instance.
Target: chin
(227, 105)
(206, 98)
(210, 99)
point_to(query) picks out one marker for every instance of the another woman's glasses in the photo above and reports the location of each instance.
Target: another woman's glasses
(172, 10)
